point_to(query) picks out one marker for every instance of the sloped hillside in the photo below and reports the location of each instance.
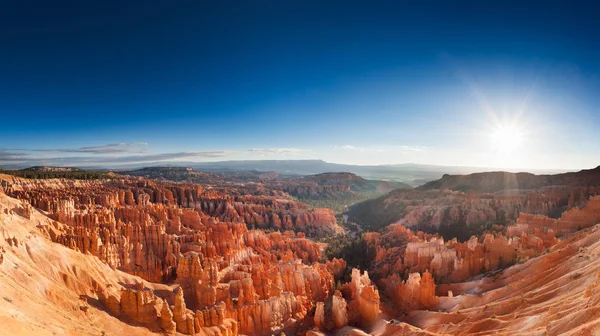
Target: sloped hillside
(350, 182)
(459, 214)
(505, 182)
(49, 289)
(557, 293)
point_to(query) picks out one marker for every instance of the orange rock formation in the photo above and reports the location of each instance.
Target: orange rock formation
(133, 256)
(547, 228)
(223, 278)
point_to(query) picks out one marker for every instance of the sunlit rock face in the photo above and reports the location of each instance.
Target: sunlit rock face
(462, 214)
(223, 277)
(363, 305)
(570, 221)
(416, 292)
(408, 264)
(173, 258)
(552, 293)
(332, 314)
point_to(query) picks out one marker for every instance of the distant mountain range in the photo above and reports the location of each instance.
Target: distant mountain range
(409, 173)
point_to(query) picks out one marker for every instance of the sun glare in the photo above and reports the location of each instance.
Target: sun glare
(506, 138)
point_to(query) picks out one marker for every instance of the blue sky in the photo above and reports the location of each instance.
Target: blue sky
(349, 82)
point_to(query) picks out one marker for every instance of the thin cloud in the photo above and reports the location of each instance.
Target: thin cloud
(133, 147)
(360, 149)
(410, 148)
(348, 147)
(277, 151)
(26, 160)
(382, 149)
(11, 155)
(170, 156)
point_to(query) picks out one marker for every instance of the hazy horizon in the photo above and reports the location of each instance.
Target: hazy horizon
(206, 166)
(509, 85)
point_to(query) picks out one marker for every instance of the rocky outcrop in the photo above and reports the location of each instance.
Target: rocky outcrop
(547, 228)
(184, 318)
(458, 214)
(555, 293)
(166, 319)
(363, 299)
(139, 304)
(55, 289)
(332, 314)
(416, 292)
(339, 313)
(407, 264)
(228, 278)
(445, 260)
(358, 305)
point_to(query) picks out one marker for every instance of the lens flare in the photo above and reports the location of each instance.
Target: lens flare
(506, 139)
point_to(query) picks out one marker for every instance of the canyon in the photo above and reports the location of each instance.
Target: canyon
(342, 187)
(193, 266)
(142, 256)
(299, 168)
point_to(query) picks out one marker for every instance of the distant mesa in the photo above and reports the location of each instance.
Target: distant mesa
(164, 169)
(52, 169)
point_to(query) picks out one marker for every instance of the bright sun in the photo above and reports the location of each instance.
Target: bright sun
(506, 138)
